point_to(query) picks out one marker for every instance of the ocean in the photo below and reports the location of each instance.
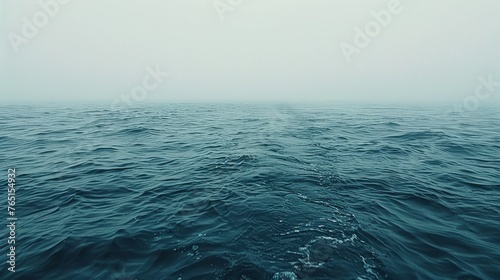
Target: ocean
(250, 192)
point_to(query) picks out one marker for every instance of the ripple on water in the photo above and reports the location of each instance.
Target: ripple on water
(279, 192)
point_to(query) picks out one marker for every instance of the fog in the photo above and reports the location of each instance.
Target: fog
(229, 50)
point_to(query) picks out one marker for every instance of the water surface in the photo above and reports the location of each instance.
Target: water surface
(243, 192)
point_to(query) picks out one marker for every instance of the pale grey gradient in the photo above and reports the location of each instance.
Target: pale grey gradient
(264, 50)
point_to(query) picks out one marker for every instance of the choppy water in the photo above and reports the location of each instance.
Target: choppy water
(253, 192)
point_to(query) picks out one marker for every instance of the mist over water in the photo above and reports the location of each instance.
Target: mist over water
(294, 50)
(209, 191)
(229, 185)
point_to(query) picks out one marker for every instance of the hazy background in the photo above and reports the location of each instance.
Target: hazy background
(264, 50)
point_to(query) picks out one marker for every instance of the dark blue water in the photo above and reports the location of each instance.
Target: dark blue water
(252, 192)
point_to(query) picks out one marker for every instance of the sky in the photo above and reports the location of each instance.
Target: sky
(414, 51)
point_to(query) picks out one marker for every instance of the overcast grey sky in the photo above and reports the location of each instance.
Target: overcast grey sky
(258, 50)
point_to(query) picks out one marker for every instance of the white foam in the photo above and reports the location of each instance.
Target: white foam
(284, 276)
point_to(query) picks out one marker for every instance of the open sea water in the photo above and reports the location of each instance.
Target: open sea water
(250, 192)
